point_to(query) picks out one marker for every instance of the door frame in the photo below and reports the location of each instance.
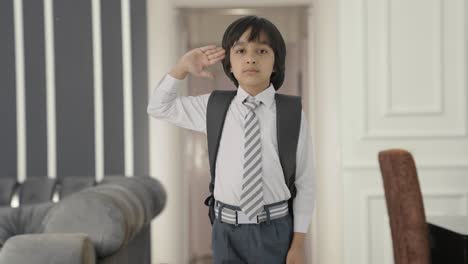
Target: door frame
(326, 233)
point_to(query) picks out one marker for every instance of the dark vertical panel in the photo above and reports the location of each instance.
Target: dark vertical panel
(112, 87)
(140, 87)
(8, 151)
(35, 87)
(74, 87)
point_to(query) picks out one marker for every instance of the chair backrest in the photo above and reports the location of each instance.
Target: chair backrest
(410, 235)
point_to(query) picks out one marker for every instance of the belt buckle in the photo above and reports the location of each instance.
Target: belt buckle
(243, 219)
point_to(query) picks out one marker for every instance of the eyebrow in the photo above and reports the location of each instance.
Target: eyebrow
(243, 43)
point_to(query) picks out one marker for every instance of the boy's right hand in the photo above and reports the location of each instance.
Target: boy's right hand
(196, 60)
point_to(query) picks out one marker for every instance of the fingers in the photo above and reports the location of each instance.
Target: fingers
(212, 53)
(206, 48)
(215, 60)
(215, 54)
(215, 57)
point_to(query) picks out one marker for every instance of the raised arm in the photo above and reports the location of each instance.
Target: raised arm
(184, 111)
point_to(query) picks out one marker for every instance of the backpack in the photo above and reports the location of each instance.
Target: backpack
(288, 123)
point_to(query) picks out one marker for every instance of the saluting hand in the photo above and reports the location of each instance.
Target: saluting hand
(196, 60)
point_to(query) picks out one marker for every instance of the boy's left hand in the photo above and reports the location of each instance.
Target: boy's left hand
(295, 255)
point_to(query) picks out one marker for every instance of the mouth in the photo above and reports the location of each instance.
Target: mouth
(251, 71)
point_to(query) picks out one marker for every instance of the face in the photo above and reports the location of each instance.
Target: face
(252, 62)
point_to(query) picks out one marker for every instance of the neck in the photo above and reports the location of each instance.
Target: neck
(254, 90)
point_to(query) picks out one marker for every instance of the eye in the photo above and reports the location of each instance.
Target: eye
(265, 51)
(237, 51)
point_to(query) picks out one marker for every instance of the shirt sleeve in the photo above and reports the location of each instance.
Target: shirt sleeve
(304, 202)
(183, 111)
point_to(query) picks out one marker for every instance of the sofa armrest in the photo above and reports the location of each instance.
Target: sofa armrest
(111, 213)
(48, 249)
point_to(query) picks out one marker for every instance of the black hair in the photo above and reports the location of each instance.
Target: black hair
(275, 41)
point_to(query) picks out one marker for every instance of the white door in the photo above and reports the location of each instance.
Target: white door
(403, 85)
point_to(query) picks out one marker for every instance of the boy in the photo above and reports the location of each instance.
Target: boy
(249, 178)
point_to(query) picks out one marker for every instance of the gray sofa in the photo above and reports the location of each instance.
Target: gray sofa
(108, 222)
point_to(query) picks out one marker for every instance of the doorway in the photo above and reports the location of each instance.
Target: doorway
(205, 26)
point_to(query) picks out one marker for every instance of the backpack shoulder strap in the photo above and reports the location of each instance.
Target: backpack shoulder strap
(218, 105)
(288, 124)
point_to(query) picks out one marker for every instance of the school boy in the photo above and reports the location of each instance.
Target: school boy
(255, 224)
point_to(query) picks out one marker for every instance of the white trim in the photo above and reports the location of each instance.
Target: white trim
(20, 91)
(98, 100)
(50, 88)
(127, 87)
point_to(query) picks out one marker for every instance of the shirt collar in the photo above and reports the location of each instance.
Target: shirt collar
(267, 96)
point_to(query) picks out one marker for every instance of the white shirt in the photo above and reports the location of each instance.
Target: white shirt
(190, 112)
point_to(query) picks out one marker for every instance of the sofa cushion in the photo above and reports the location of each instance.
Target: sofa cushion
(36, 190)
(7, 224)
(73, 184)
(22, 220)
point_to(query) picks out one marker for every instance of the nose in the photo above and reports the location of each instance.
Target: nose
(250, 58)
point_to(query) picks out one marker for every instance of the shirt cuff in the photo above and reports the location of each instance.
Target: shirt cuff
(169, 84)
(302, 222)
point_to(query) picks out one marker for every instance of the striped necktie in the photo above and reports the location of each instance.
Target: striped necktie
(251, 202)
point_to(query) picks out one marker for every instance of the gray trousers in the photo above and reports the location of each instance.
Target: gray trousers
(252, 243)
